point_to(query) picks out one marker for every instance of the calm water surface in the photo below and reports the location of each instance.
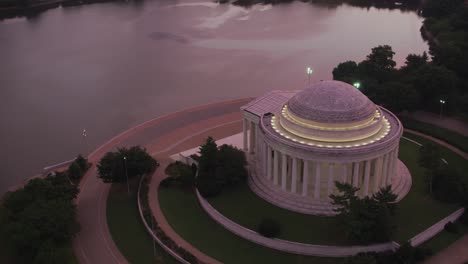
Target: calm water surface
(107, 67)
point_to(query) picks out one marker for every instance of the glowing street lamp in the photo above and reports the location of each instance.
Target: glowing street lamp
(357, 84)
(309, 73)
(442, 102)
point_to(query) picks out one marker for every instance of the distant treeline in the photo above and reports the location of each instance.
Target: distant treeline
(425, 79)
(400, 4)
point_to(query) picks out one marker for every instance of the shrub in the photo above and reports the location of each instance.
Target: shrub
(269, 228)
(165, 183)
(451, 227)
(464, 218)
(74, 171)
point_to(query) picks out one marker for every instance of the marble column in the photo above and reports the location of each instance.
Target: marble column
(317, 180)
(393, 166)
(389, 168)
(331, 178)
(384, 170)
(356, 174)
(284, 172)
(252, 138)
(367, 177)
(269, 174)
(275, 167)
(377, 173)
(344, 177)
(244, 125)
(294, 175)
(265, 158)
(305, 177)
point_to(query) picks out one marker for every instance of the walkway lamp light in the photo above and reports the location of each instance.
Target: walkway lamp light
(442, 102)
(309, 73)
(357, 84)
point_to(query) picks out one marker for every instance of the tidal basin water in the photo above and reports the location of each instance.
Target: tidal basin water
(107, 67)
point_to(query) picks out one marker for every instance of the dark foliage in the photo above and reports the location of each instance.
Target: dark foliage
(269, 228)
(406, 254)
(134, 161)
(181, 174)
(451, 227)
(219, 168)
(40, 219)
(365, 220)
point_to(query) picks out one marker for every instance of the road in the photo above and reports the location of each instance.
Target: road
(94, 243)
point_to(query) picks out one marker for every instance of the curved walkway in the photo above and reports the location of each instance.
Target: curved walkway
(456, 253)
(94, 243)
(440, 142)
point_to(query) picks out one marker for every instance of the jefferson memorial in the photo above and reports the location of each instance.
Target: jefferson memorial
(300, 142)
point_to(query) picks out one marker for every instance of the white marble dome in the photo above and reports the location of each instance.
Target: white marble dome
(331, 102)
(331, 111)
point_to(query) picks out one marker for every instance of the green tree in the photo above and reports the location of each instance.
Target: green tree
(207, 181)
(399, 97)
(74, 171)
(82, 162)
(440, 8)
(414, 61)
(364, 220)
(346, 72)
(232, 164)
(386, 198)
(448, 185)
(134, 161)
(219, 168)
(181, 173)
(41, 213)
(434, 83)
(429, 158)
(379, 64)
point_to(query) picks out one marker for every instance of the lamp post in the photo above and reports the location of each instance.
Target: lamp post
(126, 174)
(85, 143)
(309, 73)
(442, 102)
(357, 85)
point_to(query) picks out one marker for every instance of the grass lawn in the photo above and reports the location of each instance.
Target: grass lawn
(413, 216)
(188, 219)
(127, 230)
(416, 212)
(444, 239)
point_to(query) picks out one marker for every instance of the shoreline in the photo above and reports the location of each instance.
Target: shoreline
(37, 8)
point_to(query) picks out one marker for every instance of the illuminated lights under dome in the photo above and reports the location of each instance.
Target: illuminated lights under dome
(331, 114)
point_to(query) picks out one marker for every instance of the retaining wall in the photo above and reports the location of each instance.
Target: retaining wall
(289, 246)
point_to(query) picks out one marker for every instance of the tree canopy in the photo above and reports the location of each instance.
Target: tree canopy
(133, 161)
(219, 168)
(365, 220)
(40, 219)
(419, 84)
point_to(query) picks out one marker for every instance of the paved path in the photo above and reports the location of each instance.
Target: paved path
(446, 122)
(455, 254)
(440, 142)
(189, 137)
(94, 244)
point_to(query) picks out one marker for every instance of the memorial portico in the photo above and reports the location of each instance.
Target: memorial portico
(301, 142)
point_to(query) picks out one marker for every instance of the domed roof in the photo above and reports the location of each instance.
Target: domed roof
(331, 102)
